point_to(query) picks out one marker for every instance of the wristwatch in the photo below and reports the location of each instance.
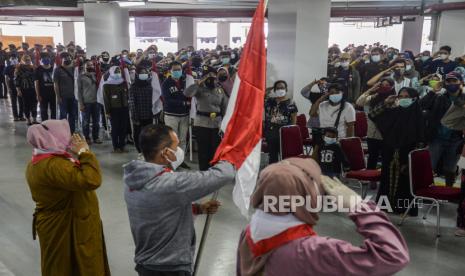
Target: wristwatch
(81, 151)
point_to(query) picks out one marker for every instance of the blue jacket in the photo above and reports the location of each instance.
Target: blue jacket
(174, 101)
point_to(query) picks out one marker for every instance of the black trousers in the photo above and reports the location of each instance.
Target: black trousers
(119, 127)
(137, 130)
(102, 116)
(375, 150)
(16, 103)
(146, 272)
(30, 103)
(47, 102)
(272, 139)
(91, 111)
(208, 140)
(3, 90)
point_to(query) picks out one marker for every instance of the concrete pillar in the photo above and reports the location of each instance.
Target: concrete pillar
(69, 33)
(451, 31)
(412, 35)
(224, 33)
(107, 28)
(298, 32)
(187, 32)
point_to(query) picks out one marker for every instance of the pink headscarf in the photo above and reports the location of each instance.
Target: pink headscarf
(52, 136)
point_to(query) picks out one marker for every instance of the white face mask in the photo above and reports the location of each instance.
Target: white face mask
(443, 56)
(376, 58)
(213, 61)
(408, 67)
(143, 76)
(337, 64)
(280, 93)
(179, 153)
(345, 64)
(151, 55)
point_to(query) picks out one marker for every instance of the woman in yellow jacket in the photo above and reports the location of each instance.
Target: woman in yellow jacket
(66, 218)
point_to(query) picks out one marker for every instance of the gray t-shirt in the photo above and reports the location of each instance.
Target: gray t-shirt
(65, 79)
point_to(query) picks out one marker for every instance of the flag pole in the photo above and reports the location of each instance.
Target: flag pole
(203, 238)
(210, 216)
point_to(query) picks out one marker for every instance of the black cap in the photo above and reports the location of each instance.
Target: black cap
(207, 70)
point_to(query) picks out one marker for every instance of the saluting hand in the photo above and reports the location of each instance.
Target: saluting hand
(210, 207)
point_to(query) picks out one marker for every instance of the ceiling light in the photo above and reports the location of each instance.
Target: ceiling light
(124, 4)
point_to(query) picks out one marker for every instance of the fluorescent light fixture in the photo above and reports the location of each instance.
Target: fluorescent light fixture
(124, 4)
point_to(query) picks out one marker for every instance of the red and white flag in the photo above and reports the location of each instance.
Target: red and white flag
(242, 124)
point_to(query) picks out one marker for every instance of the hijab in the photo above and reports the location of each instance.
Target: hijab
(228, 84)
(291, 177)
(52, 136)
(381, 96)
(111, 79)
(401, 126)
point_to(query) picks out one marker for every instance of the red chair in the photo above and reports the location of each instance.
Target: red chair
(352, 148)
(422, 186)
(306, 140)
(291, 142)
(361, 125)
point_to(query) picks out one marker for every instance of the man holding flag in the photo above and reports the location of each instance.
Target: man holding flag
(159, 199)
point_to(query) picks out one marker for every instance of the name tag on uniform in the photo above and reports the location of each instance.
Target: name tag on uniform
(114, 97)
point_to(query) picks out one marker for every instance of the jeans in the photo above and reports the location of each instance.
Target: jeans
(180, 125)
(30, 103)
(137, 130)
(16, 103)
(208, 140)
(91, 111)
(375, 149)
(69, 111)
(48, 101)
(119, 127)
(448, 151)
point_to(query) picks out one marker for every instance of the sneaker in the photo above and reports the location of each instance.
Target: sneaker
(16, 119)
(184, 166)
(97, 141)
(460, 232)
(140, 157)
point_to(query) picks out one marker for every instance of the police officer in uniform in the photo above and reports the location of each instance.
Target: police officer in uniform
(211, 106)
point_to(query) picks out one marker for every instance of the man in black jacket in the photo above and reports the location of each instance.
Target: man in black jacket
(444, 142)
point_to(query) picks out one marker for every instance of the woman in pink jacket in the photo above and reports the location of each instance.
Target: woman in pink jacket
(285, 244)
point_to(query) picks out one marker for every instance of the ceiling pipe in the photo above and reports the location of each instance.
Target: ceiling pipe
(440, 7)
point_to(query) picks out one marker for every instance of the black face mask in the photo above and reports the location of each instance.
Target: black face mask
(105, 59)
(67, 62)
(223, 78)
(210, 83)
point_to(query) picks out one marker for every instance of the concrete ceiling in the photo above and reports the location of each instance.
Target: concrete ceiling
(217, 3)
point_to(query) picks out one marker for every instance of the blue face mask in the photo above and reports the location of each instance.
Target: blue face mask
(335, 98)
(424, 58)
(405, 102)
(329, 140)
(116, 76)
(225, 60)
(177, 74)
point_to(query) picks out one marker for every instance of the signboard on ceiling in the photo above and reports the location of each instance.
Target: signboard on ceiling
(153, 26)
(43, 40)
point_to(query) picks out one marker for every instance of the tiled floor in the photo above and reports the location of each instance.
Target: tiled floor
(19, 254)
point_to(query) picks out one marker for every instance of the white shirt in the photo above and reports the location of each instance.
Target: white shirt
(328, 115)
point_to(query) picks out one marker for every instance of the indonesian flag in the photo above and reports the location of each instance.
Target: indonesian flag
(242, 124)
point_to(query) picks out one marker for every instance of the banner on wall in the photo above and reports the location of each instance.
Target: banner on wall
(153, 26)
